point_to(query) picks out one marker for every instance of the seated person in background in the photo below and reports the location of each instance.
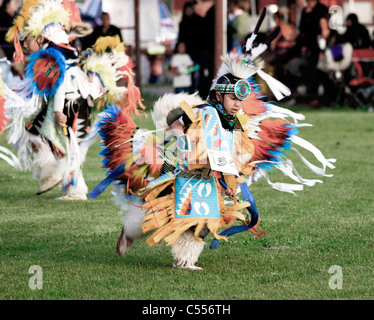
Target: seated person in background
(282, 46)
(327, 39)
(283, 49)
(356, 34)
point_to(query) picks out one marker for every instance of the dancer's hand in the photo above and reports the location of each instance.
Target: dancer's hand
(230, 193)
(61, 118)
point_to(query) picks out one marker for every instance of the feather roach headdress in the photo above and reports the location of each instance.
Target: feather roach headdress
(36, 18)
(48, 19)
(245, 65)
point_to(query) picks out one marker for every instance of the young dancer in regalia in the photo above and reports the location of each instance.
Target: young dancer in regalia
(194, 180)
(54, 102)
(63, 118)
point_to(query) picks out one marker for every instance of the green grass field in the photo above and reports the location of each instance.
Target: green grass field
(328, 225)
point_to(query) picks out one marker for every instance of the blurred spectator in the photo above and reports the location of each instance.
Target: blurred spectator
(296, 8)
(7, 13)
(106, 29)
(191, 25)
(327, 39)
(245, 5)
(356, 34)
(309, 30)
(309, 24)
(156, 57)
(237, 24)
(206, 10)
(283, 49)
(202, 7)
(283, 45)
(181, 68)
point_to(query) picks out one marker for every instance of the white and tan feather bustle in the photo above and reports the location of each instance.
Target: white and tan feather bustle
(169, 102)
(107, 67)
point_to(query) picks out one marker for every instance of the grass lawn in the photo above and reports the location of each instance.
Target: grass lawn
(328, 225)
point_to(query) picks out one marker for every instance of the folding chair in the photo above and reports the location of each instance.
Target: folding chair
(337, 63)
(362, 78)
(362, 56)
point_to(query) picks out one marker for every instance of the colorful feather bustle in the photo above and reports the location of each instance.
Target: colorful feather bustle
(104, 66)
(275, 131)
(21, 19)
(46, 71)
(117, 131)
(272, 135)
(132, 100)
(275, 139)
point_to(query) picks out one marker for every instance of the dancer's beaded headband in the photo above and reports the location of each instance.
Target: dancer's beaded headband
(241, 89)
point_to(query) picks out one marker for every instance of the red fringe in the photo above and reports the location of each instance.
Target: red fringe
(256, 230)
(74, 126)
(3, 118)
(18, 55)
(133, 95)
(75, 16)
